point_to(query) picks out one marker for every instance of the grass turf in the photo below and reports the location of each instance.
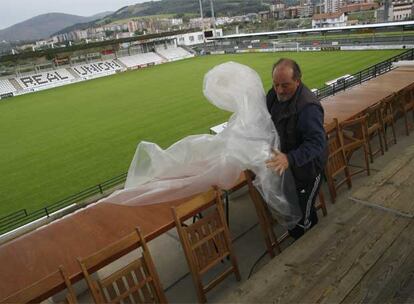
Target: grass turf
(57, 142)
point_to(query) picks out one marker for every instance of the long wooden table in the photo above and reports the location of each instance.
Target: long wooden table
(33, 256)
(347, 104)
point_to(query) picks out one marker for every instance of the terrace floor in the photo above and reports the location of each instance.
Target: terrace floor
(332, 255)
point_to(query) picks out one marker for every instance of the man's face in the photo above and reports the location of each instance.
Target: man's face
(283, 83)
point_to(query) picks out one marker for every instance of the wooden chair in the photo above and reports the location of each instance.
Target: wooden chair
(354, 136)
(266, 221)
(320, 203)
(136, 282)
(206, 242)
(337, 162)
(44, 288)
(374, 127)
(388, 119)
(405, 103)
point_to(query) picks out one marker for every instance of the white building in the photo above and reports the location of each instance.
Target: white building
(329, 20)
(201, 23)
(195, 38)
(333, 6)
(223, 20)
(132, 26)
(306, 10)
(176, 21)
(401, 10)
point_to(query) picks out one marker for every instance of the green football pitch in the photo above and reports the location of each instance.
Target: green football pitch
(57, 142)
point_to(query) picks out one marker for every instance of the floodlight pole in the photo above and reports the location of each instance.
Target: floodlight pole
(201, 15)
(212, 16)
(202, 22)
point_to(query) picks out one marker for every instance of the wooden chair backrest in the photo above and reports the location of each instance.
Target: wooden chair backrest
(336, 159)
(374, 121)
(138, 279)
(388, 108)
(405, 98)
(35, 292)
(207, 241)
(348, 129)
(409, 95)
(207, 234)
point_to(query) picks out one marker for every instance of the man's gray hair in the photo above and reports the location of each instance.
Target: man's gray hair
(297, 74)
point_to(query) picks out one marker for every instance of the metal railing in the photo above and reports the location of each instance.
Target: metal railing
(363, 75)
(23, 217)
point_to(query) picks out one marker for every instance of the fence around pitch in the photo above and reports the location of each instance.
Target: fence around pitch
(22, 217)
(363, 75)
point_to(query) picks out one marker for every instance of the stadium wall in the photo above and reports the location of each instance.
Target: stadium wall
(34, 82)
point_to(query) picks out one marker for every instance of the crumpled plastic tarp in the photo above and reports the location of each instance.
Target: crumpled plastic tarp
(195, 163)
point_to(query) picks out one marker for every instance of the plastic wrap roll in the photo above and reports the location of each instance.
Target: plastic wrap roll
(197, 162)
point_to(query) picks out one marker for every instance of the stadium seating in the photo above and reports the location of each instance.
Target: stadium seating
(45, 80)
(97, 69)
(175, 53)
(141, 60)
(6, 87)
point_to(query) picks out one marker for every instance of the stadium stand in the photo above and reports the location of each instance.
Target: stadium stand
(173, 54)
(6, 88)
(45, 80)
(97, 69)
(141, 60)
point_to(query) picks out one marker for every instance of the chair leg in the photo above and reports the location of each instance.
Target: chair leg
(226, 203)
(393, 132)
(366, 159)
(380, 137)
(371, 155)
(384, 135)
(407, 128)
(263, 221)
(332, 190)
(322, 202)
(270, 223)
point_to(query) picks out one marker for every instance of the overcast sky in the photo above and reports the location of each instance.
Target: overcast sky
(15, 11)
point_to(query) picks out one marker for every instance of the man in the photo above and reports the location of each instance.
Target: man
(298, 118)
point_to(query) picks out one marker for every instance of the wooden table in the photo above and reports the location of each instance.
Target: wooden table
(31, 257)
(358, 254)
(350, 103)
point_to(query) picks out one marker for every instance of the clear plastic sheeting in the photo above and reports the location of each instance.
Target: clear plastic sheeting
(195, 163)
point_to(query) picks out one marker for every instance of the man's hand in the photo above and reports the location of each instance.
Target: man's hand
(278, 163)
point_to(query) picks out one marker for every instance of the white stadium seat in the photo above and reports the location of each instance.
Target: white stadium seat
(141, 60)
(97, 69)
(6, 87)
(44, 80)
(175, 53)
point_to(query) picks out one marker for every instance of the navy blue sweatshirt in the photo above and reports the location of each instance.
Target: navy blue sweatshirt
(299, 123)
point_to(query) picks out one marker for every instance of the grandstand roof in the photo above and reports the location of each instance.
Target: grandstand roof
(319, 30)
(53, 52)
